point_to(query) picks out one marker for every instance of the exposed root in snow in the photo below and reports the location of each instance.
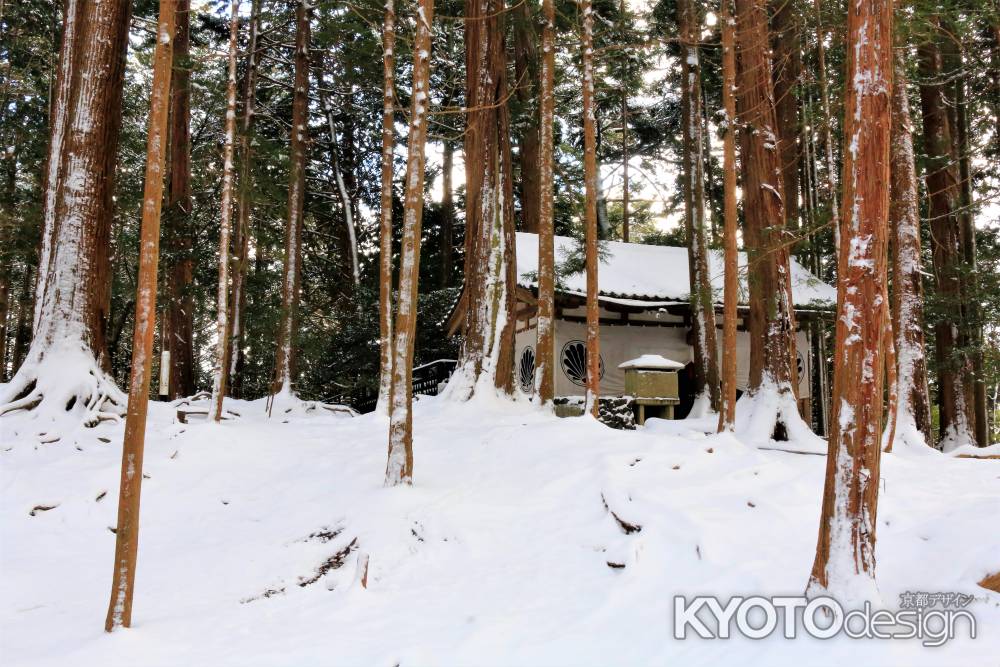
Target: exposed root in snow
(42, 508)
(991, 582)
(61, 389)
(627, 528)
(771, 414)
(334, 562)
(287, 404)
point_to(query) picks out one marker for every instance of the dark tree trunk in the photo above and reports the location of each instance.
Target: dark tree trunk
(786, 35)
(526, 73)
(178, 328)
(954, 364)
(284, 364)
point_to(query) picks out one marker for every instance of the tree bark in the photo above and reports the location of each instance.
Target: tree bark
(385, 215)
(73, 289)
(127, 533)
(399, 466)
(526, 71)
(772, 382)
(244, 207)
(292, 271)
(727, 409)
(545, 334)
(845, 552)
(831, 169)
(706, 364)
(590, 178)
(973, 315)
(223, 325)
(178, 325)
(447, 215)
(954, 364)
(487, 357)
(913, 410)
(786, 39)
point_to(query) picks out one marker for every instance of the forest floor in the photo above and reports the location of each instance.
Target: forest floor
(506, 551)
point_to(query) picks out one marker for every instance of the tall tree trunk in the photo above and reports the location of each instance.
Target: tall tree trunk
(385, 214)
(487, 357)
(706, 364)
(178, 325)
(727, 409)
(913, 416)
(831, 169)
(625, 178)
(292, 272)
(223, 325)
(22, 330)
(545, 342)
(954, 364)
(772, 331)
(7, 211)
(526, 71)
(73, 289)
(346, 203)
(973, 319)
(590, 179)
(244, 207)
(399, 466)
(845, 550)
(786, 39)
(127, 533)
(447, 214)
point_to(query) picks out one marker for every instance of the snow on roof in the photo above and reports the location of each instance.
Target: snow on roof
(651, 362)
(657, 273)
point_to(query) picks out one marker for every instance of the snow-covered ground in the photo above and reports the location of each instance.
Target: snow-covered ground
(498, 555)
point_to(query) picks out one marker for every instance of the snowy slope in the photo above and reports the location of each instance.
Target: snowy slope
(497, 556)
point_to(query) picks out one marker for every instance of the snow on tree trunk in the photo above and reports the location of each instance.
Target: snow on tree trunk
(845, 552)
(177, 336)
(399, 466)
(486, 363)
(954, 363)
(590, 179)
(244, 207)
(284, 364)
(770, 405)
(222, 324)
(127, 532)
(545, 333)
(913, 411)
(727, 408)
(385, 215)
(706, 364)
(63, 376)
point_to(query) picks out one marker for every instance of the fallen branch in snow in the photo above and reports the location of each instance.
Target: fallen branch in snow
(42, 508)
(332, 563)
(627, 528)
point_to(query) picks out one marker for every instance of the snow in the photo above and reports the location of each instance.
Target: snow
(644, 272)
(651, 361)
(497, 555)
